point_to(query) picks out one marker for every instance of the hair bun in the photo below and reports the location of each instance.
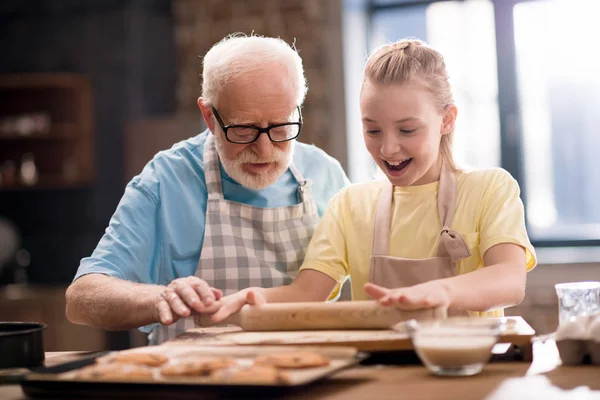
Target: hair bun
(401, 45)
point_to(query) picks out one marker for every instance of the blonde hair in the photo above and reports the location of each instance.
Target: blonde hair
(410, 60)
(240, 56)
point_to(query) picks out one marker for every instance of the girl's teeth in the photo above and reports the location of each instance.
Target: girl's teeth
(397, 166)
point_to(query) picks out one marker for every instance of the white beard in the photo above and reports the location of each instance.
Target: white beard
(235, 169)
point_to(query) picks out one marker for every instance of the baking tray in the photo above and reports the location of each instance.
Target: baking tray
(51, 381)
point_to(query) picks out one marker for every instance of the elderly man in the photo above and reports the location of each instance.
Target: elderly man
(231, 208)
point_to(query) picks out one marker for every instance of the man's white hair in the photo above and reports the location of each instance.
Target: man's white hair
(240, 56)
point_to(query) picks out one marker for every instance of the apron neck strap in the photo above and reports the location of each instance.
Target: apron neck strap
(446, 196)
(297, 175)
(212, 170)
(304, 185)
(383, 219)
(451, 243)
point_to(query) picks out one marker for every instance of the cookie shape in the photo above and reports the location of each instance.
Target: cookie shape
(196, 367)
(253, 375)
(147, 359)
(293, 360)
(114, 371)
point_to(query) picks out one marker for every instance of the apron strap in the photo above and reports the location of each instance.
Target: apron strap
(212, 170)
(383, 219)
(451, 243)
(304, 185)
(446, 196)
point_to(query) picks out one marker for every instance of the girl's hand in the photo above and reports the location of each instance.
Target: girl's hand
(233, 303)
(424, 295)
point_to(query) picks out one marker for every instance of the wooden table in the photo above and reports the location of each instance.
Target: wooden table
(414, 382)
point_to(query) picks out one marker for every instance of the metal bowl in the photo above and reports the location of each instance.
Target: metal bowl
(21, 344)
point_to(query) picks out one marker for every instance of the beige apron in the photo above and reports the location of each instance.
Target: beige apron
(395, 272)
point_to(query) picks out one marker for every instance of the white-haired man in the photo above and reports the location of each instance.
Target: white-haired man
(231, 208)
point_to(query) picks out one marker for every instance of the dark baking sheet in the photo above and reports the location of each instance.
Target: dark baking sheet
(43, 383)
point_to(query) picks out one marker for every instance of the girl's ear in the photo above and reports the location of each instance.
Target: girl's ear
(449, 119)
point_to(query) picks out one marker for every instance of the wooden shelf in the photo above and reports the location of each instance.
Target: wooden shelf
(47, 182)
(61, 131)
(64, 80)
(66, 99)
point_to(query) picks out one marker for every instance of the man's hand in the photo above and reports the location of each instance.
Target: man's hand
(184, 295)
(234, 302)
(424, 295)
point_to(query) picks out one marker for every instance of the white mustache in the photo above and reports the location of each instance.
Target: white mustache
(282, 159)
(248, 156)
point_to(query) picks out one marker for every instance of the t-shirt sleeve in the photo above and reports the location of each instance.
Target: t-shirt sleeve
(326, 252)
(128, 248)
(502, 218)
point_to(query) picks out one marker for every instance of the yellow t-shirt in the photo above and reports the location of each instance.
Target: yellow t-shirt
(488, 212)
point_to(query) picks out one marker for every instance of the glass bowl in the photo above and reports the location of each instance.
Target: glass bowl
(577, 299)
(456, 346)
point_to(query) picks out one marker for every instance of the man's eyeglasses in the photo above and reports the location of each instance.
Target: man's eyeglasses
(244, 134)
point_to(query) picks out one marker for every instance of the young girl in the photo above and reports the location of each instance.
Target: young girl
(430, 235)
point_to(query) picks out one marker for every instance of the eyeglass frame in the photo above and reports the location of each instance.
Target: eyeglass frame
(266, 130)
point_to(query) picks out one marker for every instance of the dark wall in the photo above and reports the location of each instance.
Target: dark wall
(127, 50)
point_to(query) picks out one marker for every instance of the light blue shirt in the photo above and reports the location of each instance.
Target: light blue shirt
(157, 231)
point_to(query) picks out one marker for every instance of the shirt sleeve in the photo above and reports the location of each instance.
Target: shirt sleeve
(503, 217)
(339, 178)
(128, 249)
(326, 252)
(332, 179)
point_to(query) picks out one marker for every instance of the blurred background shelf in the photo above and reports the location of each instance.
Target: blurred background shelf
(48, 182)
(57, 131)
(46, 117)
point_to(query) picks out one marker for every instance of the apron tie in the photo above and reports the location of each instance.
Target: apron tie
(452, 245)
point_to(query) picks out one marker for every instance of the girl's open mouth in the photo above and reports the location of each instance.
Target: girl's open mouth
(397, 166)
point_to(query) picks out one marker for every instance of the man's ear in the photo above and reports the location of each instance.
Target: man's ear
(207, 114)
(449, 119)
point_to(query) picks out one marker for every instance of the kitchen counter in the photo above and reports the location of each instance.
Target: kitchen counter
(535, 379)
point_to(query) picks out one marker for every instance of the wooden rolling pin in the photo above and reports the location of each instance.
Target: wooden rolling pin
(320, 316)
